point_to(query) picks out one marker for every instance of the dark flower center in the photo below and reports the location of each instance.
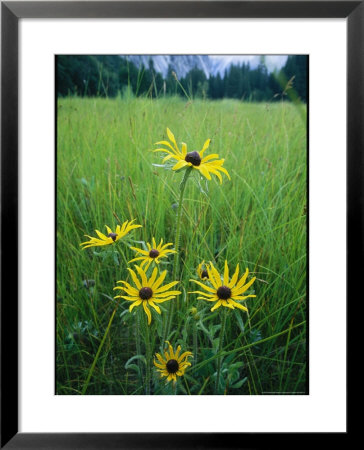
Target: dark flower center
(154, 253)
(113, 236)
(145, 293)
(172, 366)
(204, 274)
(224, 292)
(193, 158)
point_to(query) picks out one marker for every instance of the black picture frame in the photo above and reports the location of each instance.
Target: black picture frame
(11, 12)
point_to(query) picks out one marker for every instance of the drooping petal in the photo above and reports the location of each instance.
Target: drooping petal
(137, 303)
(147, 312)
(216, 306)
(204, 171)
(156, 307)
(238, 305)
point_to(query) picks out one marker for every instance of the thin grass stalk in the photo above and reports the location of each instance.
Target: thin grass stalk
(195, 341)
(137, 341)
(148, 355)
(176, 247)
(92, 368)
(221, 341)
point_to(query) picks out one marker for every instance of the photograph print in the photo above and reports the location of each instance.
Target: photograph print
(181, 225)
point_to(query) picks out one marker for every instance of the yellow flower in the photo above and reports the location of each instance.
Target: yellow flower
(172, 365)
(147, 292)
(202, 271)
(154, 253)
(225, 292)
(111, 237)
(206, 165)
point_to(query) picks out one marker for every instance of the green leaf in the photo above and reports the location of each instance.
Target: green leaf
(239, 383)
(133, 358)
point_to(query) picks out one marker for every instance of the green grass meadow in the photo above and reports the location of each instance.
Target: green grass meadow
(105, 172)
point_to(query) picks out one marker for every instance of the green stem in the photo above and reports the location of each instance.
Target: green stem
(85, 386)
(178, 222)
(176, 247)
(137, 339)
(122, 255)
(221, 341)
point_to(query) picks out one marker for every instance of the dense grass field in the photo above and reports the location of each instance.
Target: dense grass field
(105, 173)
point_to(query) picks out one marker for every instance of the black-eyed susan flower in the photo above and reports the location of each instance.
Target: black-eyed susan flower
(112, 236)
(153, 254)
(225, 292)
(202, 271)
(207, 165)
(172, 365)
(147, 292)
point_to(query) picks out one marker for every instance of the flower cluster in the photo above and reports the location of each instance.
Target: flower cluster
(147, 289)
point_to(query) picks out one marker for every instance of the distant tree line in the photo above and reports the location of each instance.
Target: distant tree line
(109, 75)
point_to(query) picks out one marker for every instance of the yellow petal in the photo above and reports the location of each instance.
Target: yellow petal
(204, 171)
(137, 303)
(159, 281)
(184, 149)
(153, 277)
(238, 305)
(165, 294)
(205, 146)
(207, 158)
(207, 288)
(102, 236)
(165, 287)
(135, 278)
(212, 277)
(108, 229)
(245, 287)
(216, 306)
(142, 275)
(234, 278)
(171, 136)
(160, 359)
(226, 273)
(161, 300)
(180, 164)
(147, 312)
(153, 305)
